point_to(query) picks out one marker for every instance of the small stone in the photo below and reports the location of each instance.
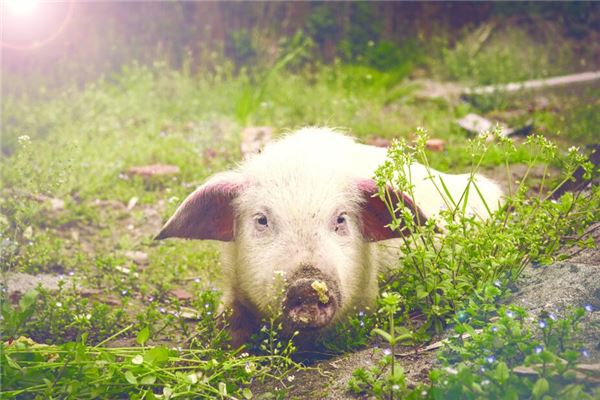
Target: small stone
(138, 257)
(378, 141)
(181, 294)
(56, 204)
(436, 145)
(132, 202)
(147, 171)
(477, 124)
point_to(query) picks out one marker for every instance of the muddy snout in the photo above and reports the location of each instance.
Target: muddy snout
(311, 302)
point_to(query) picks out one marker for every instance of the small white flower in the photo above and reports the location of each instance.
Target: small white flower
(291, 378)
(137, 360)
(24, 139)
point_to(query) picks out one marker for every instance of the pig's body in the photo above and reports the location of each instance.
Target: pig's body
(304, 209)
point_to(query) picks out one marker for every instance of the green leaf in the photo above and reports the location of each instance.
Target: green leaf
(383, 334)
(143, 336)
(131, 378)
(157, 355)
(148, 380)
(540, 388)
(247, 393)
(502, 372)
(13, 363)
(222, 389)
(28, 300)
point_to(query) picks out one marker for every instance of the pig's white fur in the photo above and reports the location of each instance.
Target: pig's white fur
(301, 182)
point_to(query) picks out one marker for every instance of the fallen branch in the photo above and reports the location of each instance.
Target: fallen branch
(435, 345)
(535, 84)
(589, 373)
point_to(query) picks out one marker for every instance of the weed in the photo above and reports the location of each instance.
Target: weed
(464, 271)
(515, 356)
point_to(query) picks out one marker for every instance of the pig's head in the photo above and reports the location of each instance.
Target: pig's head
(306, 219)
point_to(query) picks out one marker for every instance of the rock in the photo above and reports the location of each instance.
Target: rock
(18, 283)
(477, 124)
(138, 257)
(181, 294)
(436, 145)
(378, 141)
(558, 287)
(148, 171)
(132, 202)
(254, 139)
(54, 203)
(438, 90)
(108, 204)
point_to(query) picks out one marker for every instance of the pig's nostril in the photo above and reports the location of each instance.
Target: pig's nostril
(310, 303)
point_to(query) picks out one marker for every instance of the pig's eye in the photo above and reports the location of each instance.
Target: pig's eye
(261, 222)
(341, 224)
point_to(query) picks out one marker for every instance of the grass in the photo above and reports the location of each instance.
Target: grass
(76, 145)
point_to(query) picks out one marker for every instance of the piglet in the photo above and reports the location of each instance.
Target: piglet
(300, 225)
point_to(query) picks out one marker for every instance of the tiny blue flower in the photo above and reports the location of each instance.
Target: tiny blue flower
(362, 323)
(497, 283)
(124, 292)
(482, 369)
(552, 316)
(361, 314)
(71, 273)
(538, 349)
(490, 359)
(162, 310)
(462, 316)
(197, 280)
(542, 324)
(387, 352)
(588, 308)
(494, 328)
(510, 314)
(206, 305)
(585, 353)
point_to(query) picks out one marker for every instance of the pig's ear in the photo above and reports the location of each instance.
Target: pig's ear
(375, 215)
(207, 213)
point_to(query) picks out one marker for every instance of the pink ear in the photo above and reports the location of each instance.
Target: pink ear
(205, 214)
(375, 215)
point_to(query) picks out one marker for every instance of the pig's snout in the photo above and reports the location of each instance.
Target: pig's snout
(311, 303)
